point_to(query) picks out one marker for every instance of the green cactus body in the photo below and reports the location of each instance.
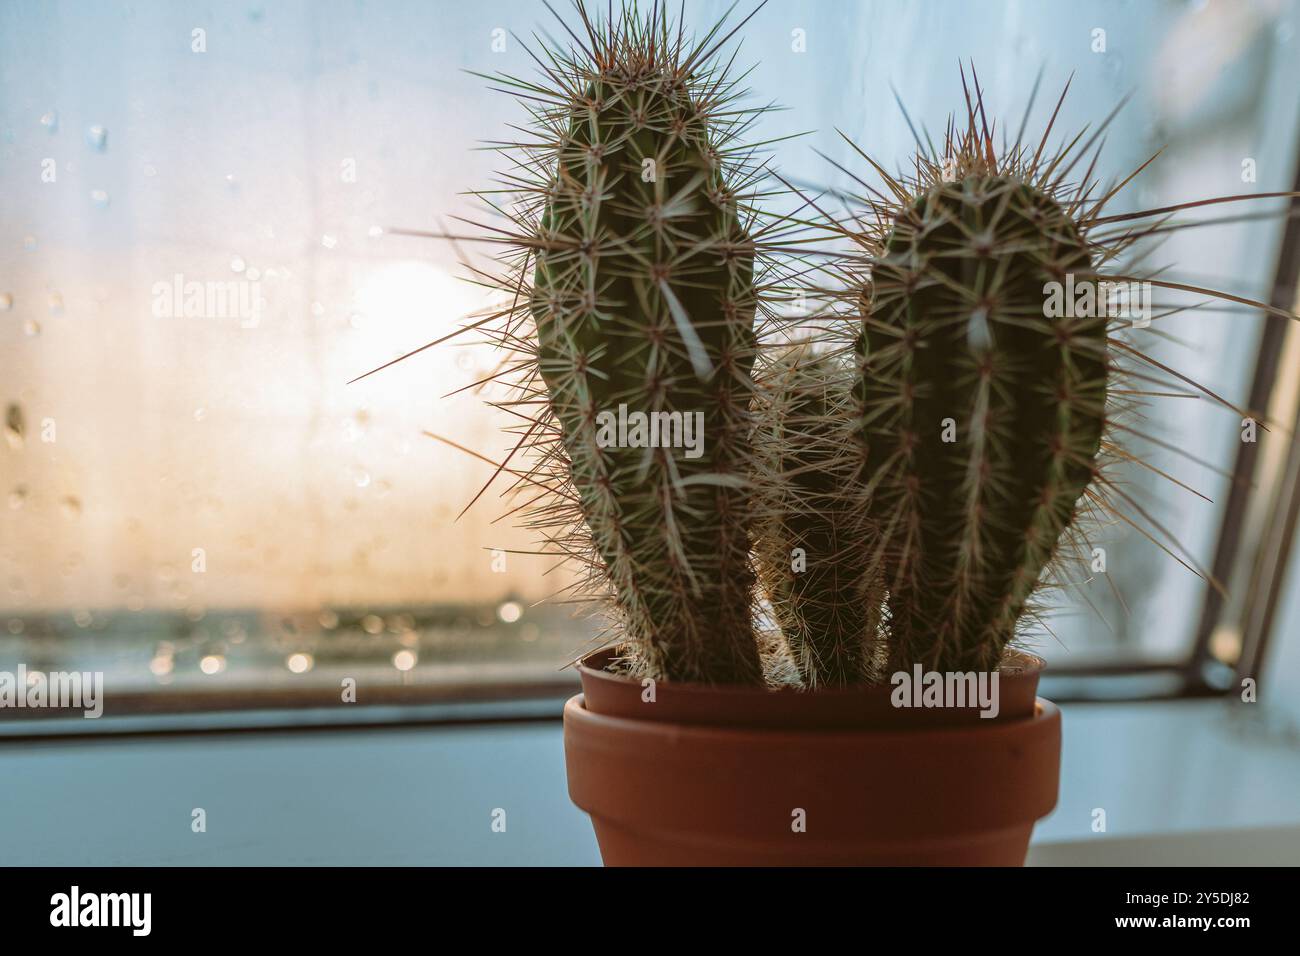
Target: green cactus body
(644, 297)
(813, 547)
(982, 416)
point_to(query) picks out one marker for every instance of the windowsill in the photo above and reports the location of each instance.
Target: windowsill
(1180, 783)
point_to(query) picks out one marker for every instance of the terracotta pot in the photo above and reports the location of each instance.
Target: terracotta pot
(739, 776)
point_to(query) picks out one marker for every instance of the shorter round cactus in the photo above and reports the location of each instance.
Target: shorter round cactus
(982, 417)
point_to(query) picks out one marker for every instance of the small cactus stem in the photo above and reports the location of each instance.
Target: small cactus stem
(813, 544)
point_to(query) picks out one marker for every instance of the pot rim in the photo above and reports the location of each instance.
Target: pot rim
(1044, 713)
(1025, 664)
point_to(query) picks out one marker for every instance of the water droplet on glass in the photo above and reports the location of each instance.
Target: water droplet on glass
(231, 180)
(510, 611)
(404, 660)
(253, 275)
(317, 309)
(15, 426)
(71, 506)
(31, 328)
(372, 624)
(18, 497)
(299, 663)
(328, 620)
(361, 478)
(84, 618)
(375, 232)
(6, 302)
(51, 121)
(354, 320)
(97, 138)
(150, 169)
(328, 241)
(237, 264)
(56, 303)
(199, 413)
(212, 664)
(29, 243)
(100, 198)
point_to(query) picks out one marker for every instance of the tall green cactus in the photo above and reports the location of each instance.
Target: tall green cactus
(644, 297)
(813, 546)
(982, 416)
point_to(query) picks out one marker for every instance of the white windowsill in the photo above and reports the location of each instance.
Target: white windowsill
(1180, 783)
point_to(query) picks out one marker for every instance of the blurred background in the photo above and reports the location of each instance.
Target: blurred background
(195, 499)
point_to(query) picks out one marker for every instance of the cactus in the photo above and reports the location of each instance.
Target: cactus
(643, 302)
(935, 471)
(988, 421)
(982, 417)
(812, 543)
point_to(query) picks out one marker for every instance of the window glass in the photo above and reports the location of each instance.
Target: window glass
(191, 492)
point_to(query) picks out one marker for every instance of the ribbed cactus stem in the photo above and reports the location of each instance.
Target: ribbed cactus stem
(982, 416)
(814, 546)
(644, 297)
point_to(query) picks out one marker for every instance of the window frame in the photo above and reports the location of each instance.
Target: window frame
(1256, 563)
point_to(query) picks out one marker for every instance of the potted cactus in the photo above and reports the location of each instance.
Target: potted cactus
(815, 559)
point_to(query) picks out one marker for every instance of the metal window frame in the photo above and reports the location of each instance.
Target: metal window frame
(1251, 561)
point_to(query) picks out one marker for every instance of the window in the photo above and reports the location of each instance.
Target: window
(198, 504)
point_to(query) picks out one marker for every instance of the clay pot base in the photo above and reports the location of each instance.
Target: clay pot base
(749, 777)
